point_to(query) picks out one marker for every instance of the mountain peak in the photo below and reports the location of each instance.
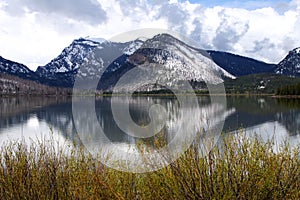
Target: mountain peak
(88, 42)
(164, 36)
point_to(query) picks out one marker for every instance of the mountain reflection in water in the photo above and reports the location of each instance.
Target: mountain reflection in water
(34, 117)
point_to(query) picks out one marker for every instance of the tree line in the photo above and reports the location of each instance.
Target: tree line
(289, 90)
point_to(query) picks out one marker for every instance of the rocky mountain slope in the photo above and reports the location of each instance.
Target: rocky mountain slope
(290, 65)
(16, 69)
(62, 70)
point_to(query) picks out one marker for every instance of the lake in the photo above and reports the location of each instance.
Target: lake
(33, 118)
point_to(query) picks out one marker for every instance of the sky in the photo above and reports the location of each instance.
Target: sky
(33, 32)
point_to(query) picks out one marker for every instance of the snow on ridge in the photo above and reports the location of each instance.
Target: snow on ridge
(297, 50)
(133, 46)
(201, 66)
(90, 43)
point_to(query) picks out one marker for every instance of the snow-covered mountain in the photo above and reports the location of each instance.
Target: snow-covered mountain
(16, 69)
(168, 60)
(74, 55)
(190, 63)
(182, 61)
(178, 60)
(290, 65)
(62, 70)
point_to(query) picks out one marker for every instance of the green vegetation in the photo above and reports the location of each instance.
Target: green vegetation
(258, 84)
(160, 93)
(250, 84)
(243, 169)
(289, 90)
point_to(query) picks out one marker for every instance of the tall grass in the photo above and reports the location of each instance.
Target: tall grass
(243, 169)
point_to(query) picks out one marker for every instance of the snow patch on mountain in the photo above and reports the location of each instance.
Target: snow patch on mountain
(290, 65)
(73, 56)
(190, 63)
(16, 69)
(132, 47)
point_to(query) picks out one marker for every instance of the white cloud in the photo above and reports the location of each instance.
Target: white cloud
(34, 32)
(229, 32)
(89, 11)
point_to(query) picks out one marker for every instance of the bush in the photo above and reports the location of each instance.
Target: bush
(243, 169)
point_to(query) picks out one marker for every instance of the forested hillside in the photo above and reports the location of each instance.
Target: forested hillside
(12, 85)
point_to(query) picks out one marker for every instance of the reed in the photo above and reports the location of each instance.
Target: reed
(243, 169)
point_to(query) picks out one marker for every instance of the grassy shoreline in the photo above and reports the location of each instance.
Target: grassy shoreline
(244, 169)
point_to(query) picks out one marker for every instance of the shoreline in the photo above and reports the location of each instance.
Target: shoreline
(148, 95)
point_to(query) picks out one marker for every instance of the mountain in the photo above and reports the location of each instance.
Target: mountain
(16, 69)
(290, 65)
(181, 60)
(169, 60)
(177, 60)
(62, 70)
(239, 65)
(191, 63)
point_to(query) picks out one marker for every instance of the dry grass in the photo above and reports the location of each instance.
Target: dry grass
(243, 169)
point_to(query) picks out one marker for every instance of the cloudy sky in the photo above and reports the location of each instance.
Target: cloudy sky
(35, 31)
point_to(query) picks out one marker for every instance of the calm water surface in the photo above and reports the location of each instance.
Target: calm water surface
(32, 118)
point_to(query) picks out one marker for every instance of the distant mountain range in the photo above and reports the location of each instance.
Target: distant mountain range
(179, 59)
